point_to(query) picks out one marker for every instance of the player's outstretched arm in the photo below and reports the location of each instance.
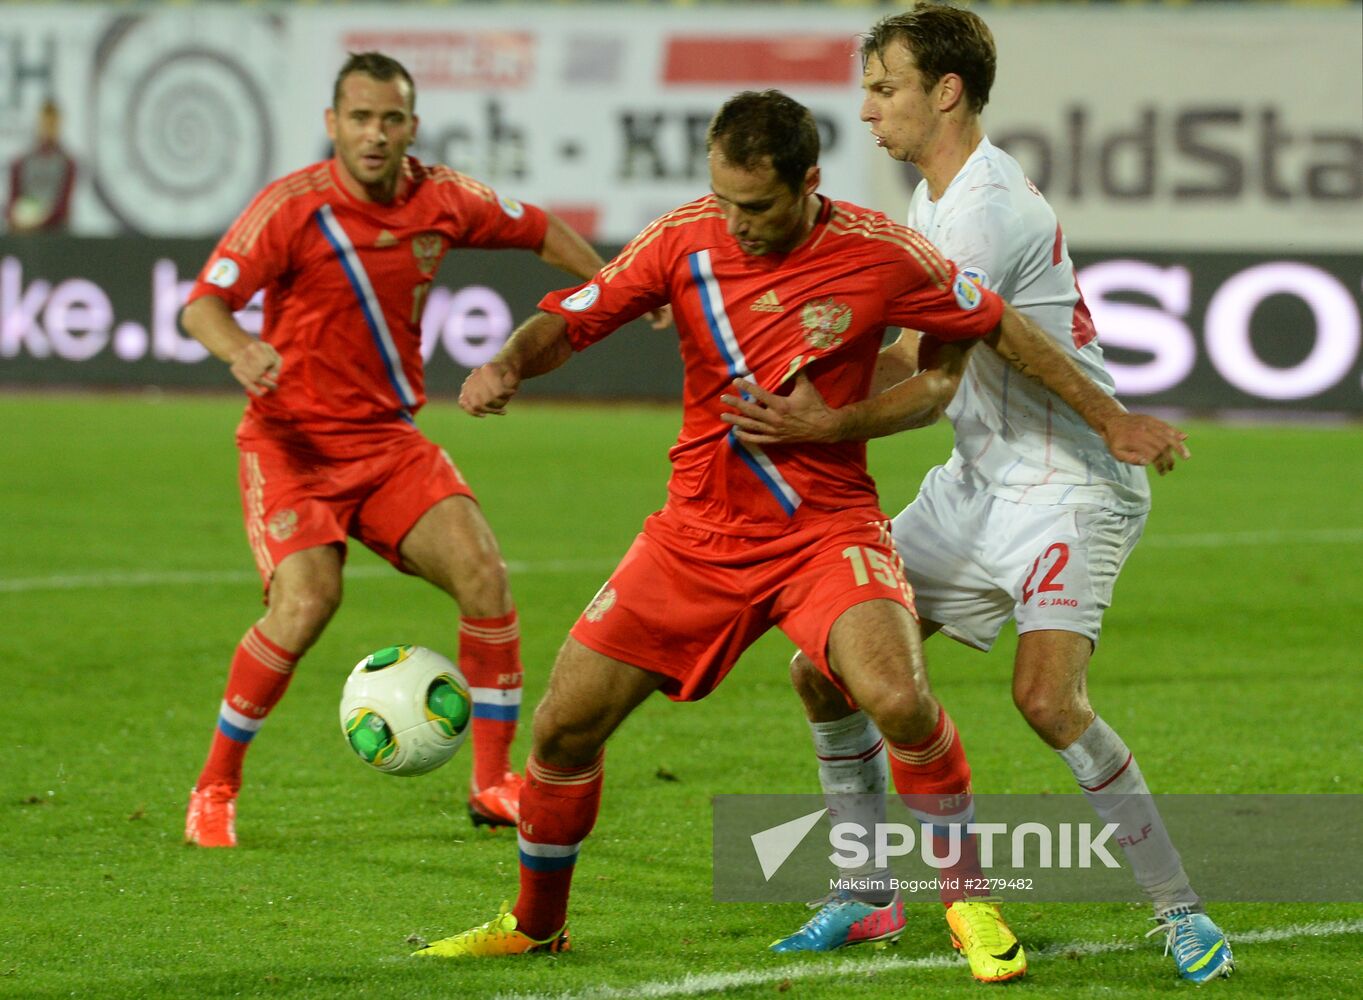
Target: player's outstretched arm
(539, 345)
(566, 250)
(253, 363)
(1135, 438)
(762, 417)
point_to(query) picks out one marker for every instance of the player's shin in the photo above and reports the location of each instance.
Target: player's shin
(1112, 782)
(854, 776)
(259, 676)
(558, 810)
(933, 778)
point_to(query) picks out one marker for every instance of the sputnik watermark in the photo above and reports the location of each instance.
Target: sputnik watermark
(1045, 848)
(1071, 845)
(940, 846)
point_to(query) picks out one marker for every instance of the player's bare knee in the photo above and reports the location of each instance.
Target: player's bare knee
(822, 701)
(902, 714)
(481, 587)
(1056, 715)
(564, 738)
(300, 612)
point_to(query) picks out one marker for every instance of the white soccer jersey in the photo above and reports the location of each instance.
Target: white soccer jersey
(1016, 439)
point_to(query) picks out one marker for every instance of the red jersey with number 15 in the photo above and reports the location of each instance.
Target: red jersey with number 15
(822, 308)
(345, 282)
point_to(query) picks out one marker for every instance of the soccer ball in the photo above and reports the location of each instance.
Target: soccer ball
(405, 710)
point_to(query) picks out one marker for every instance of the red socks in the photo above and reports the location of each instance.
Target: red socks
(558, 810)
(933, 779)
(259, 676)
(490, 660)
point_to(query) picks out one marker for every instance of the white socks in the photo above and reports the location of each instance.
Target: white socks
(854, 776)
(1114, 786)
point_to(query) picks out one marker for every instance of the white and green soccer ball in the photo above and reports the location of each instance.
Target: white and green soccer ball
(405, 710)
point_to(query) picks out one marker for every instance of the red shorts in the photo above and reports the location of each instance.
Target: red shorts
(298, 492)
(686, 602)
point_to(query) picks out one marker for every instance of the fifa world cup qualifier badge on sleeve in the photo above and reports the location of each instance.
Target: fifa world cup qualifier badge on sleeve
(582, 299)
(967, 292)
(224, 272)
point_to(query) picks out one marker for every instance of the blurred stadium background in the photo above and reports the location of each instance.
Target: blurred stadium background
(1206, 160)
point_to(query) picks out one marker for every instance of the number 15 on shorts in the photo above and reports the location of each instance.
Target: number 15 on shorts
(871, 564)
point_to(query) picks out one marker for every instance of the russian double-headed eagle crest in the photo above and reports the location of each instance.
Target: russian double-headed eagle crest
(426, 249)
(825, 321)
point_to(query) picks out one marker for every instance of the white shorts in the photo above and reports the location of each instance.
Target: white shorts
(975, 560)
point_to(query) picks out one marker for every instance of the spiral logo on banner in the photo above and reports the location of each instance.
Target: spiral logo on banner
(182, 136)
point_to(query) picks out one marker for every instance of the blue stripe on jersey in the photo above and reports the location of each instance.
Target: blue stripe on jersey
(756, 459)
(235, 732)
(716, 318)
(502, 713)
(369, 307)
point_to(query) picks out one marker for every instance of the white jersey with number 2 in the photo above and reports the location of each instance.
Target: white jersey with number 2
(1014, 438)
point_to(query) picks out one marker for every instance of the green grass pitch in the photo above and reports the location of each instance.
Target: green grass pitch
(1230, 663)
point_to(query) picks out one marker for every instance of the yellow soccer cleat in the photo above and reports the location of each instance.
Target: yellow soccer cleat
(498, 936)
(978, 932)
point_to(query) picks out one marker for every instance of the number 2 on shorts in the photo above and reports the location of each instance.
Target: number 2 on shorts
(1062, 556)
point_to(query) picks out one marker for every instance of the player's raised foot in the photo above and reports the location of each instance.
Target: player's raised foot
(843, 920)
(212, 816)
(499, 804)
(497, 937)
(1201, 951)
(979, 933)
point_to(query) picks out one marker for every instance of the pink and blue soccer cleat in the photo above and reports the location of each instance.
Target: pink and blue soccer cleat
(843, 920)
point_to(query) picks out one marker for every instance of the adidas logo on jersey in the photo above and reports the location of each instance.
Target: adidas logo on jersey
(386, 239)
(767, 302)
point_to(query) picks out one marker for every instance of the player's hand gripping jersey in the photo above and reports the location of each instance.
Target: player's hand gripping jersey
(822, 308)
(1014, 438)
(345, 282)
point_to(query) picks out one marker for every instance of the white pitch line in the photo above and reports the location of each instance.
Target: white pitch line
(697, 984)
(121, 579)
(1233, 539)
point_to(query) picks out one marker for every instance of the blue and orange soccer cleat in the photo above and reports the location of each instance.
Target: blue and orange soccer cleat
(979, 933)
(843, 920)
(1200, 950)
(493, 939)
(499, 804)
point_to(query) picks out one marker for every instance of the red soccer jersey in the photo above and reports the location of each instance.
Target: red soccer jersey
(345, 282)
(822, 308)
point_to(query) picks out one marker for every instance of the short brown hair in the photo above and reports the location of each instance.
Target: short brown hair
(753, 126)
(942, 40)
(380, 67)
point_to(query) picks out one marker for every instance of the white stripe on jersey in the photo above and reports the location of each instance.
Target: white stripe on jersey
(718, 316)
(369, 303)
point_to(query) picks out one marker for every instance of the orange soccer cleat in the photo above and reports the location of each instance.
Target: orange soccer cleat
(499, 804)
(211, 820)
